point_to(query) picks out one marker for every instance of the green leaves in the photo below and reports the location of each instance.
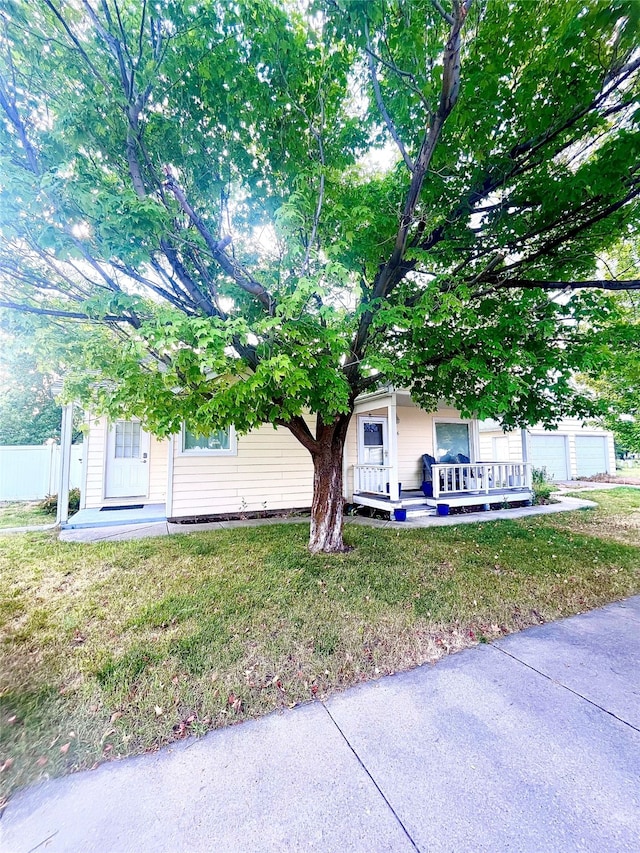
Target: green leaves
(221, 179)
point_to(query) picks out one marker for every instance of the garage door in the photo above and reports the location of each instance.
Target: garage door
(550, 452)
(591, 455)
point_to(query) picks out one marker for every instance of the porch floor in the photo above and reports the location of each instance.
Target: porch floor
(415, 502)
(110, 516)
(493, 496)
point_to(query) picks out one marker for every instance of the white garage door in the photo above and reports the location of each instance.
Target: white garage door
(550, 452)
(591, 455)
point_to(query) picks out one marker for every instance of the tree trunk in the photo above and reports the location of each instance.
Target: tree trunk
(327, 510)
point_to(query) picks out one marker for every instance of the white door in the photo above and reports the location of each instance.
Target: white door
(591, 455)
(501, 449)
(373, 453)
(127, 469)
(550, 452)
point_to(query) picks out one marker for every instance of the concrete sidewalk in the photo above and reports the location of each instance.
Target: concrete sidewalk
(529, 744)
(114, 532)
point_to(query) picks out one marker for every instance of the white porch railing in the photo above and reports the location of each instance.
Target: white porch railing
(480, 477)
(371, 478)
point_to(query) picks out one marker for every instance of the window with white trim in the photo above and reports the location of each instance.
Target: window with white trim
(219, 442)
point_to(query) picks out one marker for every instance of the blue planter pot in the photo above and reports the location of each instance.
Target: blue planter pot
(443, 509)
(400, 514)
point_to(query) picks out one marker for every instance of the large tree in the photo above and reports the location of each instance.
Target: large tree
(263, 208)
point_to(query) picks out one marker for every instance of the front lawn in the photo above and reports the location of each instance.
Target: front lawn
(24, 514)
(117, 648)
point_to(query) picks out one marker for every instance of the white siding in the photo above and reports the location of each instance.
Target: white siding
(498, 446)
(271, 471)
(95, 445)
(158, 459)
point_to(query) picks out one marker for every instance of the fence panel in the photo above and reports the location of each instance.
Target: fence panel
(30, 473)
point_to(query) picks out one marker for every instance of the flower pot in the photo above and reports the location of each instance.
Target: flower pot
(400, 514)
(443, 509)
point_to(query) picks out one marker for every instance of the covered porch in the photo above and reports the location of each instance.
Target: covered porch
(421, 462)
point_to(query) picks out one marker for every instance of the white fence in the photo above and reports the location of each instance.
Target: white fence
(31, 473)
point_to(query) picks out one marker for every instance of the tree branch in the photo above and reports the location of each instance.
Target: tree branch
(391, 272)
(441, 11)
(200, 301)
(522, 159)
(69, 315)
(233, 269)
(531, 284)
(381, 107)
(297, 426)
(318, 210)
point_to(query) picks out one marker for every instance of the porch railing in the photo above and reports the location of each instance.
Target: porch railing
(371, 478)
(480, 477)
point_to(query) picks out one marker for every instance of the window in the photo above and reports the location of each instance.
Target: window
(127, 440)
(220, 442)
(452, 440)
(373, 440)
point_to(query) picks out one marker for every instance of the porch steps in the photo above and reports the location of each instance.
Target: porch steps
(417, 510)
(413, 501)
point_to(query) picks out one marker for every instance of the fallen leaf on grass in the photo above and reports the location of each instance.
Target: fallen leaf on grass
(159, 711)
(7, 764)
(115, 716)
(235, 702)
(42, 761)
(65, 748)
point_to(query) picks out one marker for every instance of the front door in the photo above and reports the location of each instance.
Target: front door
(373, 454)
(127, 474)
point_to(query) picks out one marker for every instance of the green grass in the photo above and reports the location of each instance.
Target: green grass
(23, 514)
(117, 648)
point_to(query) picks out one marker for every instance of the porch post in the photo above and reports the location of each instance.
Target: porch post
(66, 434)
(524, 440)
(392, 438)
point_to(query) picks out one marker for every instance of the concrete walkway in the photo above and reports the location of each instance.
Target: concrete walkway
(531, 743)
(117, 532)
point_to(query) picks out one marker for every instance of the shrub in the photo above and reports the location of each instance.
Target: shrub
(542, 488)
(50, 503)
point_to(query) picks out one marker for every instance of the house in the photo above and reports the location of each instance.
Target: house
(571, 451)
(191, 477)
